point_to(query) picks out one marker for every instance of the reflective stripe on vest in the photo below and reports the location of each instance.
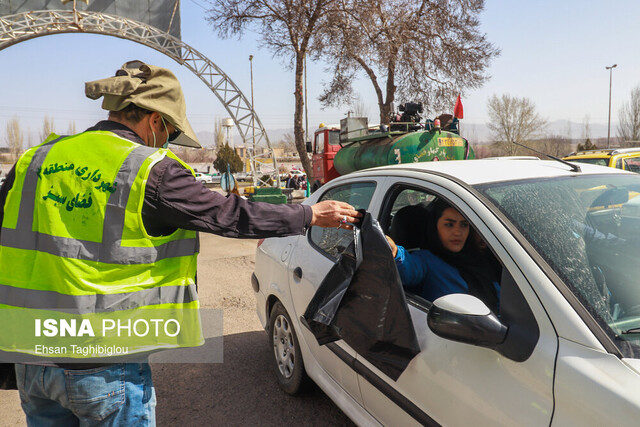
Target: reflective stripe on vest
(97, 303)
(97, 262)
(23, 237)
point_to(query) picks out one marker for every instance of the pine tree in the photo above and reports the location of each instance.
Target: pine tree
(227, 155)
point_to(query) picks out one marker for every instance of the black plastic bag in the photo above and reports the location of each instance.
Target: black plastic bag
(361, 301)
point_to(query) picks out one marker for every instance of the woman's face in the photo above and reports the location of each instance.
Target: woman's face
(453, 230)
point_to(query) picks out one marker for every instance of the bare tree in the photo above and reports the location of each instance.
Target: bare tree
(482, 151)
(568, 130)
(586, 136)
(71, 130)
(15, 138)
(218, 133)
(30, 139)
(513, 119)
(287, 143)
(555, 145)
(586, 127)
(358, 108)
(47, 127)
(629, 126)
(287, 28)
(411, 50)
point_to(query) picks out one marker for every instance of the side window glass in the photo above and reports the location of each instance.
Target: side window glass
(333, 241)
(619, 164)
(334, 137)
(320, 143)
(633, 164)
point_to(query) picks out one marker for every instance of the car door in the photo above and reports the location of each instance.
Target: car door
(453, 383)
(310, 261)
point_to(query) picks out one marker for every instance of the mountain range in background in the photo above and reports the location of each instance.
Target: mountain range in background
(475, 133)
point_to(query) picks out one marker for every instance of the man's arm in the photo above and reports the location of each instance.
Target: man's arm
(174, 199)
(4, 190)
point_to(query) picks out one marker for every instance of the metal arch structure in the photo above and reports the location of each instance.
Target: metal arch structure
(28, 25)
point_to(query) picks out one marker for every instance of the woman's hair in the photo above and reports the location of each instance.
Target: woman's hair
(475, 268)
(436, 208)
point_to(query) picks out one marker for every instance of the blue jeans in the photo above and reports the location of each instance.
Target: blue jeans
(115, 395)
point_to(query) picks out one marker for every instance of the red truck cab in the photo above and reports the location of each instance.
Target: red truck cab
(326, 143)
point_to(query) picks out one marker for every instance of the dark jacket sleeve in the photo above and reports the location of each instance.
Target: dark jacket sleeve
(4, 190)
(174, 199)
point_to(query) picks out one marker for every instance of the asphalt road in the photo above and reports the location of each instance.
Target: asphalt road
(242, 390)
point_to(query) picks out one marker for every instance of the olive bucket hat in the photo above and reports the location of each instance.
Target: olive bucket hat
(150, 87)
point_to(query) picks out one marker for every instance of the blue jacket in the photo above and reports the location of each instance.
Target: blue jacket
(427, 275)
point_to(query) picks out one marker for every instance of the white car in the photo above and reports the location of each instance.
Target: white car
(243, 176)
(204, 177)
(564, 346)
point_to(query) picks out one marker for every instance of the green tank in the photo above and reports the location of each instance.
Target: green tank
(392, 148)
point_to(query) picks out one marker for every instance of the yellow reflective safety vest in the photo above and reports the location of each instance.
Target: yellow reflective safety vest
(79, 275)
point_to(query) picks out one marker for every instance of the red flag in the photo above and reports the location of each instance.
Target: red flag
(457, 110)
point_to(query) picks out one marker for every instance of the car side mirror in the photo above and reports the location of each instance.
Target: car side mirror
(464, 318)
(309, 147)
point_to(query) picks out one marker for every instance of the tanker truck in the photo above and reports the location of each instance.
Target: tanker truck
(354, 145)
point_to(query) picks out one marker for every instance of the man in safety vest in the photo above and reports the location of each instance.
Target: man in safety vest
(103, 225)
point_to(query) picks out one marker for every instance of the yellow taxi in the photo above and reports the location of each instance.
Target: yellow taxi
(620, 158)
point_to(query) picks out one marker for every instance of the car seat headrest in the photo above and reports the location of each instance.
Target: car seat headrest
(409, 226)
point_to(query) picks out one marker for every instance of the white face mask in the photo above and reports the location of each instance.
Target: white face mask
(166, 143)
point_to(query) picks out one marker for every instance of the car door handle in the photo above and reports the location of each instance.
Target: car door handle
(297, 273)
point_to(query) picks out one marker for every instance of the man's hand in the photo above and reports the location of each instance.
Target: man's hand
(394, 248)
(332, 213)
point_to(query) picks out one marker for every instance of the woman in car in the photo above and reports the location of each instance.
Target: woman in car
(452, 262)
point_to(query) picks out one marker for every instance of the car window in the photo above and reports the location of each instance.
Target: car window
(320, 143)
(333, 241)
(592, 161)
(633, 164)
(410, 197)
(334, 137)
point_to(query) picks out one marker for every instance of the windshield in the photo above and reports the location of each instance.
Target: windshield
(592, 161)
(334, 137)
(587, 228)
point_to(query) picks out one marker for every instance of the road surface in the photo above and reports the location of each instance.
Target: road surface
(240, 391)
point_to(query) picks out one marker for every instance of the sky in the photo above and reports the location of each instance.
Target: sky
(552, 52)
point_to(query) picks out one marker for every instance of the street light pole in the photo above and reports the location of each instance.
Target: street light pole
(609, 122)
(252, 156)
(253, 124)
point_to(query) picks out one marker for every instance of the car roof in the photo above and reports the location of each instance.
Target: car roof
(595, 155)
(492, 170)
(604, 152)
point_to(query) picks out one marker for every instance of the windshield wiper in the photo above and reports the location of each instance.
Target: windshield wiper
(631, 331)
